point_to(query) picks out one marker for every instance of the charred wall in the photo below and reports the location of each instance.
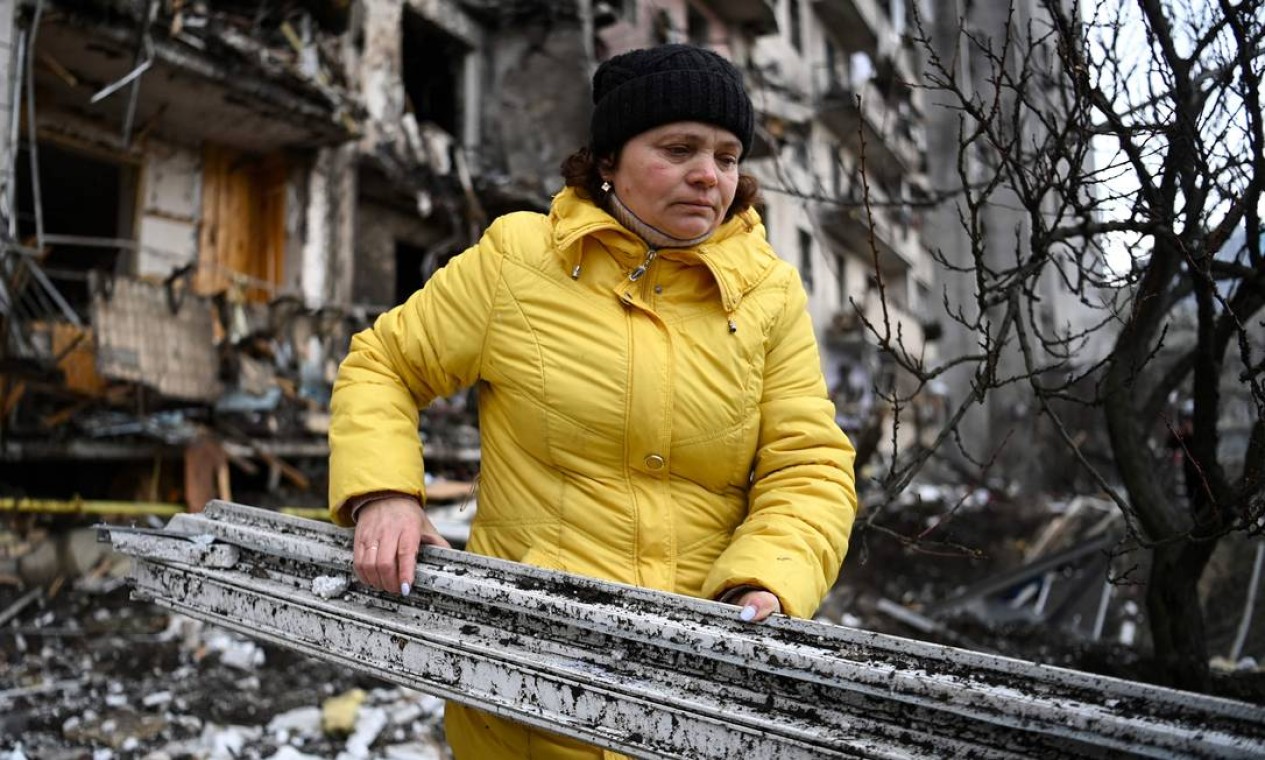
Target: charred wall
(538, 105)
(391, 239)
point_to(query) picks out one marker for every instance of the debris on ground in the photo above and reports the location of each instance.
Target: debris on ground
(85, 671)
(94, 674)
(1040, 578)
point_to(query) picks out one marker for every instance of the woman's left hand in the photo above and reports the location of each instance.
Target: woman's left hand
(757, 605)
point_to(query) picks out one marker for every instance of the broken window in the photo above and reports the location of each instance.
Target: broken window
(86, 203)
(832, 65)
(432, 62)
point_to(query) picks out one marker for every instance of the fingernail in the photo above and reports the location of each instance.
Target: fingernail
(747, 614)
(404, 589)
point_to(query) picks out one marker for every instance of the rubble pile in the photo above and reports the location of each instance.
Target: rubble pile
(220, 381)
(1052, 580)
(88, 673)
(195, 305)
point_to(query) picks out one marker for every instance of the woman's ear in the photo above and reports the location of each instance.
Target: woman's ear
(606, 168)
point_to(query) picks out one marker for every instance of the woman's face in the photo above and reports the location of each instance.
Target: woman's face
(679, 178)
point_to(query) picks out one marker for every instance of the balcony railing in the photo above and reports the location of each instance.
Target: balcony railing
(895, 238)
(857, 23)
(889, 142)
(754, 16)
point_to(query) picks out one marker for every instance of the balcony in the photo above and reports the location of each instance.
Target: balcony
(896, 241)
(847, 334)
(754, 16)
(856, 23)
(889, 151)
(216, 82)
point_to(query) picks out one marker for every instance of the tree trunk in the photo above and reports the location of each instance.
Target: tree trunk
(1176, 615)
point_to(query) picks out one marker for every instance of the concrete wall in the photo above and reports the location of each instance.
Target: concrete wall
(8, 68)
(1008, 420)
(171, 206)
(327, 260)
(296, 201)
(381, 85)
(944, 227)
(536, 110)
(380, 228)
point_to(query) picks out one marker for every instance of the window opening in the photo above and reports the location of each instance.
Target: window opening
(698, 29)
(432, 62)
(806, 259)
(409, 275)
(797, 34)
(81, 196)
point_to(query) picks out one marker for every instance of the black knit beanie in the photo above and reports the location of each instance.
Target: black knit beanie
(644, 89)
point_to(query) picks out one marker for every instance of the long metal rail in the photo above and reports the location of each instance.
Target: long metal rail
(651, 674)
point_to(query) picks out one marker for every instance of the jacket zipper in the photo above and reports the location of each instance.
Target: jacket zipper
(640, 271)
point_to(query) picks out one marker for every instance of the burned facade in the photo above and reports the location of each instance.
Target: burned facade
(199, 203)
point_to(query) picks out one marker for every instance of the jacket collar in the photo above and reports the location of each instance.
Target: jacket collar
(738, 255)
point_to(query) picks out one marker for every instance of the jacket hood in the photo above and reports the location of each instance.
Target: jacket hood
(738, 255)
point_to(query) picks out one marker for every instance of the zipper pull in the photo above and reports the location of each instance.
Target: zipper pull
(640, 271)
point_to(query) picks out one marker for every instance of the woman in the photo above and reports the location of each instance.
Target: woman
(651, 401)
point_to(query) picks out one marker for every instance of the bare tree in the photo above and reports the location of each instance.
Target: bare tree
(1123, 146)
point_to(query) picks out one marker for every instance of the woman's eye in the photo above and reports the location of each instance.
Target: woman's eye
(727, 162)
(678, 150)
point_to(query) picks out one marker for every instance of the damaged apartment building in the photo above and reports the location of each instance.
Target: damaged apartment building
(202, 200)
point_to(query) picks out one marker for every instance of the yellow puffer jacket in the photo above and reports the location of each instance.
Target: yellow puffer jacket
(670, 431)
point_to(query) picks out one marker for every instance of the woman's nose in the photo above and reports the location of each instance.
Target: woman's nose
(704, 173)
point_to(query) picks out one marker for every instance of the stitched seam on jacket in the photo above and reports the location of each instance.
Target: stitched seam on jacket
(776, 322)
(539, 403)
(500, 283)
(770, 324)
(723, 532)
(628, 477)
(514, 523)
(535, 341)
(711, 435)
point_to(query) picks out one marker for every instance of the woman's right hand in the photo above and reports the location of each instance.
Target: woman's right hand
(389, 533)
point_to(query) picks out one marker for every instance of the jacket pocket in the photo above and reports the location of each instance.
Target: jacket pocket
(721, 462)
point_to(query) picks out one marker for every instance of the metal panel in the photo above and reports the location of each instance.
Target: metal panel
(660, 675)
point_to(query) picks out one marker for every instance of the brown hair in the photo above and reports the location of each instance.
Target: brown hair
(582, 170)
